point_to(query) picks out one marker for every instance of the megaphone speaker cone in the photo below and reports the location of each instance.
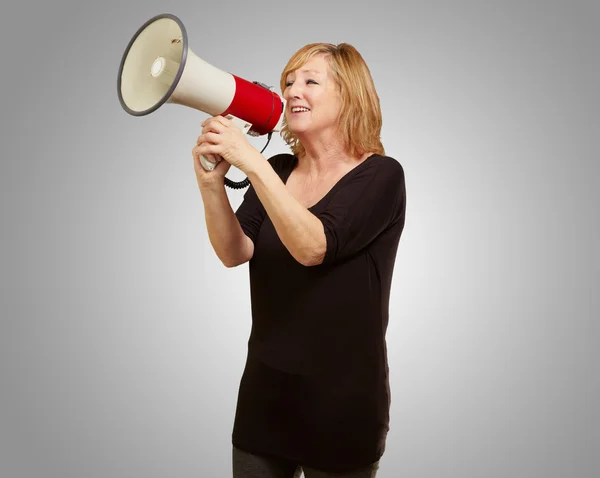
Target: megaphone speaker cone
(152, 65)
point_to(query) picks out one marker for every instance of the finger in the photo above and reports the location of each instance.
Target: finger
(213, 126)
(197, 152)
(224, 120)
(207, 148)
(218, 120)
(211, 120)
(208, 138)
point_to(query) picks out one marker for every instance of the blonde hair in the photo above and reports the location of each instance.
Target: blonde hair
(360, 114)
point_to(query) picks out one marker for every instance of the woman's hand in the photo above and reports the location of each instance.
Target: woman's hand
(204, 177)
(221, 137)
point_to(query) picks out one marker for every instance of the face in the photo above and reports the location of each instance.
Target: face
(312, 87)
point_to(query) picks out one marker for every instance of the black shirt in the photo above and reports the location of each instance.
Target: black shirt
(315, 389)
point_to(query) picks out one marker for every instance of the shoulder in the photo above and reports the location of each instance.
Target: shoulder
(282, 164)
(389, 179)
(281, 161)
(388, 162)
(386, 168)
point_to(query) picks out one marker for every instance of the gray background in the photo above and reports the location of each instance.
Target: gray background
(122, 336)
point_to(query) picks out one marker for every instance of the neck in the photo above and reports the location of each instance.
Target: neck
(320, 158)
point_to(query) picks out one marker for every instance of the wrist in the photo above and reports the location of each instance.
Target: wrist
(212, 185)
(255, 163)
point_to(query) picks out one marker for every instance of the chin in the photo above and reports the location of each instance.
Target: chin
(296, 130)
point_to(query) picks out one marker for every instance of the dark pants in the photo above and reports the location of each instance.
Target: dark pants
(247, 465)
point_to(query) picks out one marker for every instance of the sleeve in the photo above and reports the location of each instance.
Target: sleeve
(365, 207)
(251, 213)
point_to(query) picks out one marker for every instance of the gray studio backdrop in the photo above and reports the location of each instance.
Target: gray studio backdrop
(122, 336)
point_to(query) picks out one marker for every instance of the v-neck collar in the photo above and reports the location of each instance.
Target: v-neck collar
(339, 182)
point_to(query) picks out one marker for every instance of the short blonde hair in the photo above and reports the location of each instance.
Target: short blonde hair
(360, 118)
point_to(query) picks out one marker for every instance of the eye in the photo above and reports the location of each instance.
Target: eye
(307, 81)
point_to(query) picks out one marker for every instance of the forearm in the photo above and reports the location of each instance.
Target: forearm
(224, 230)
(300, 231)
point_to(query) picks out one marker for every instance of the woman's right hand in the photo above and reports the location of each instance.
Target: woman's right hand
(207, 178)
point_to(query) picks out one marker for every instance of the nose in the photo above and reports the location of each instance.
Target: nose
(294, 90)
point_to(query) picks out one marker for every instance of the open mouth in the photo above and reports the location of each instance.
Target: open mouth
(297, 111)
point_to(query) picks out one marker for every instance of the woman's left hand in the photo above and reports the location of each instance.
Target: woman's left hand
(220, 136)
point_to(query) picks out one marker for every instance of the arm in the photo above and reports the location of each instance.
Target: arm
(300, 231)
(228, 240)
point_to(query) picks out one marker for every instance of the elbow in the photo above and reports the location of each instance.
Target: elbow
(312, 263)
(231, 265)
(316, 254)
(315, 258)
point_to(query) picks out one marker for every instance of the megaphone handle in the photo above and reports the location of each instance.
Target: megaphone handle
(208, 165)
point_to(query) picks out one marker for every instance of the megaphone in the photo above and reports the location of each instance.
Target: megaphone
(159, 67)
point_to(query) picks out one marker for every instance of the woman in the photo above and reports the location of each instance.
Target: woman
(320, 227)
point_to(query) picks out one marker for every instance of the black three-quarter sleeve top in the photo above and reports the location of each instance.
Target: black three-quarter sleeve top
(315, 388)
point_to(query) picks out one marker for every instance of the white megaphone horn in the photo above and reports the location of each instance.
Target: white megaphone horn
(158, 67)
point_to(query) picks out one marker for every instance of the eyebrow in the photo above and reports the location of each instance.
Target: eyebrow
(306, 71)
